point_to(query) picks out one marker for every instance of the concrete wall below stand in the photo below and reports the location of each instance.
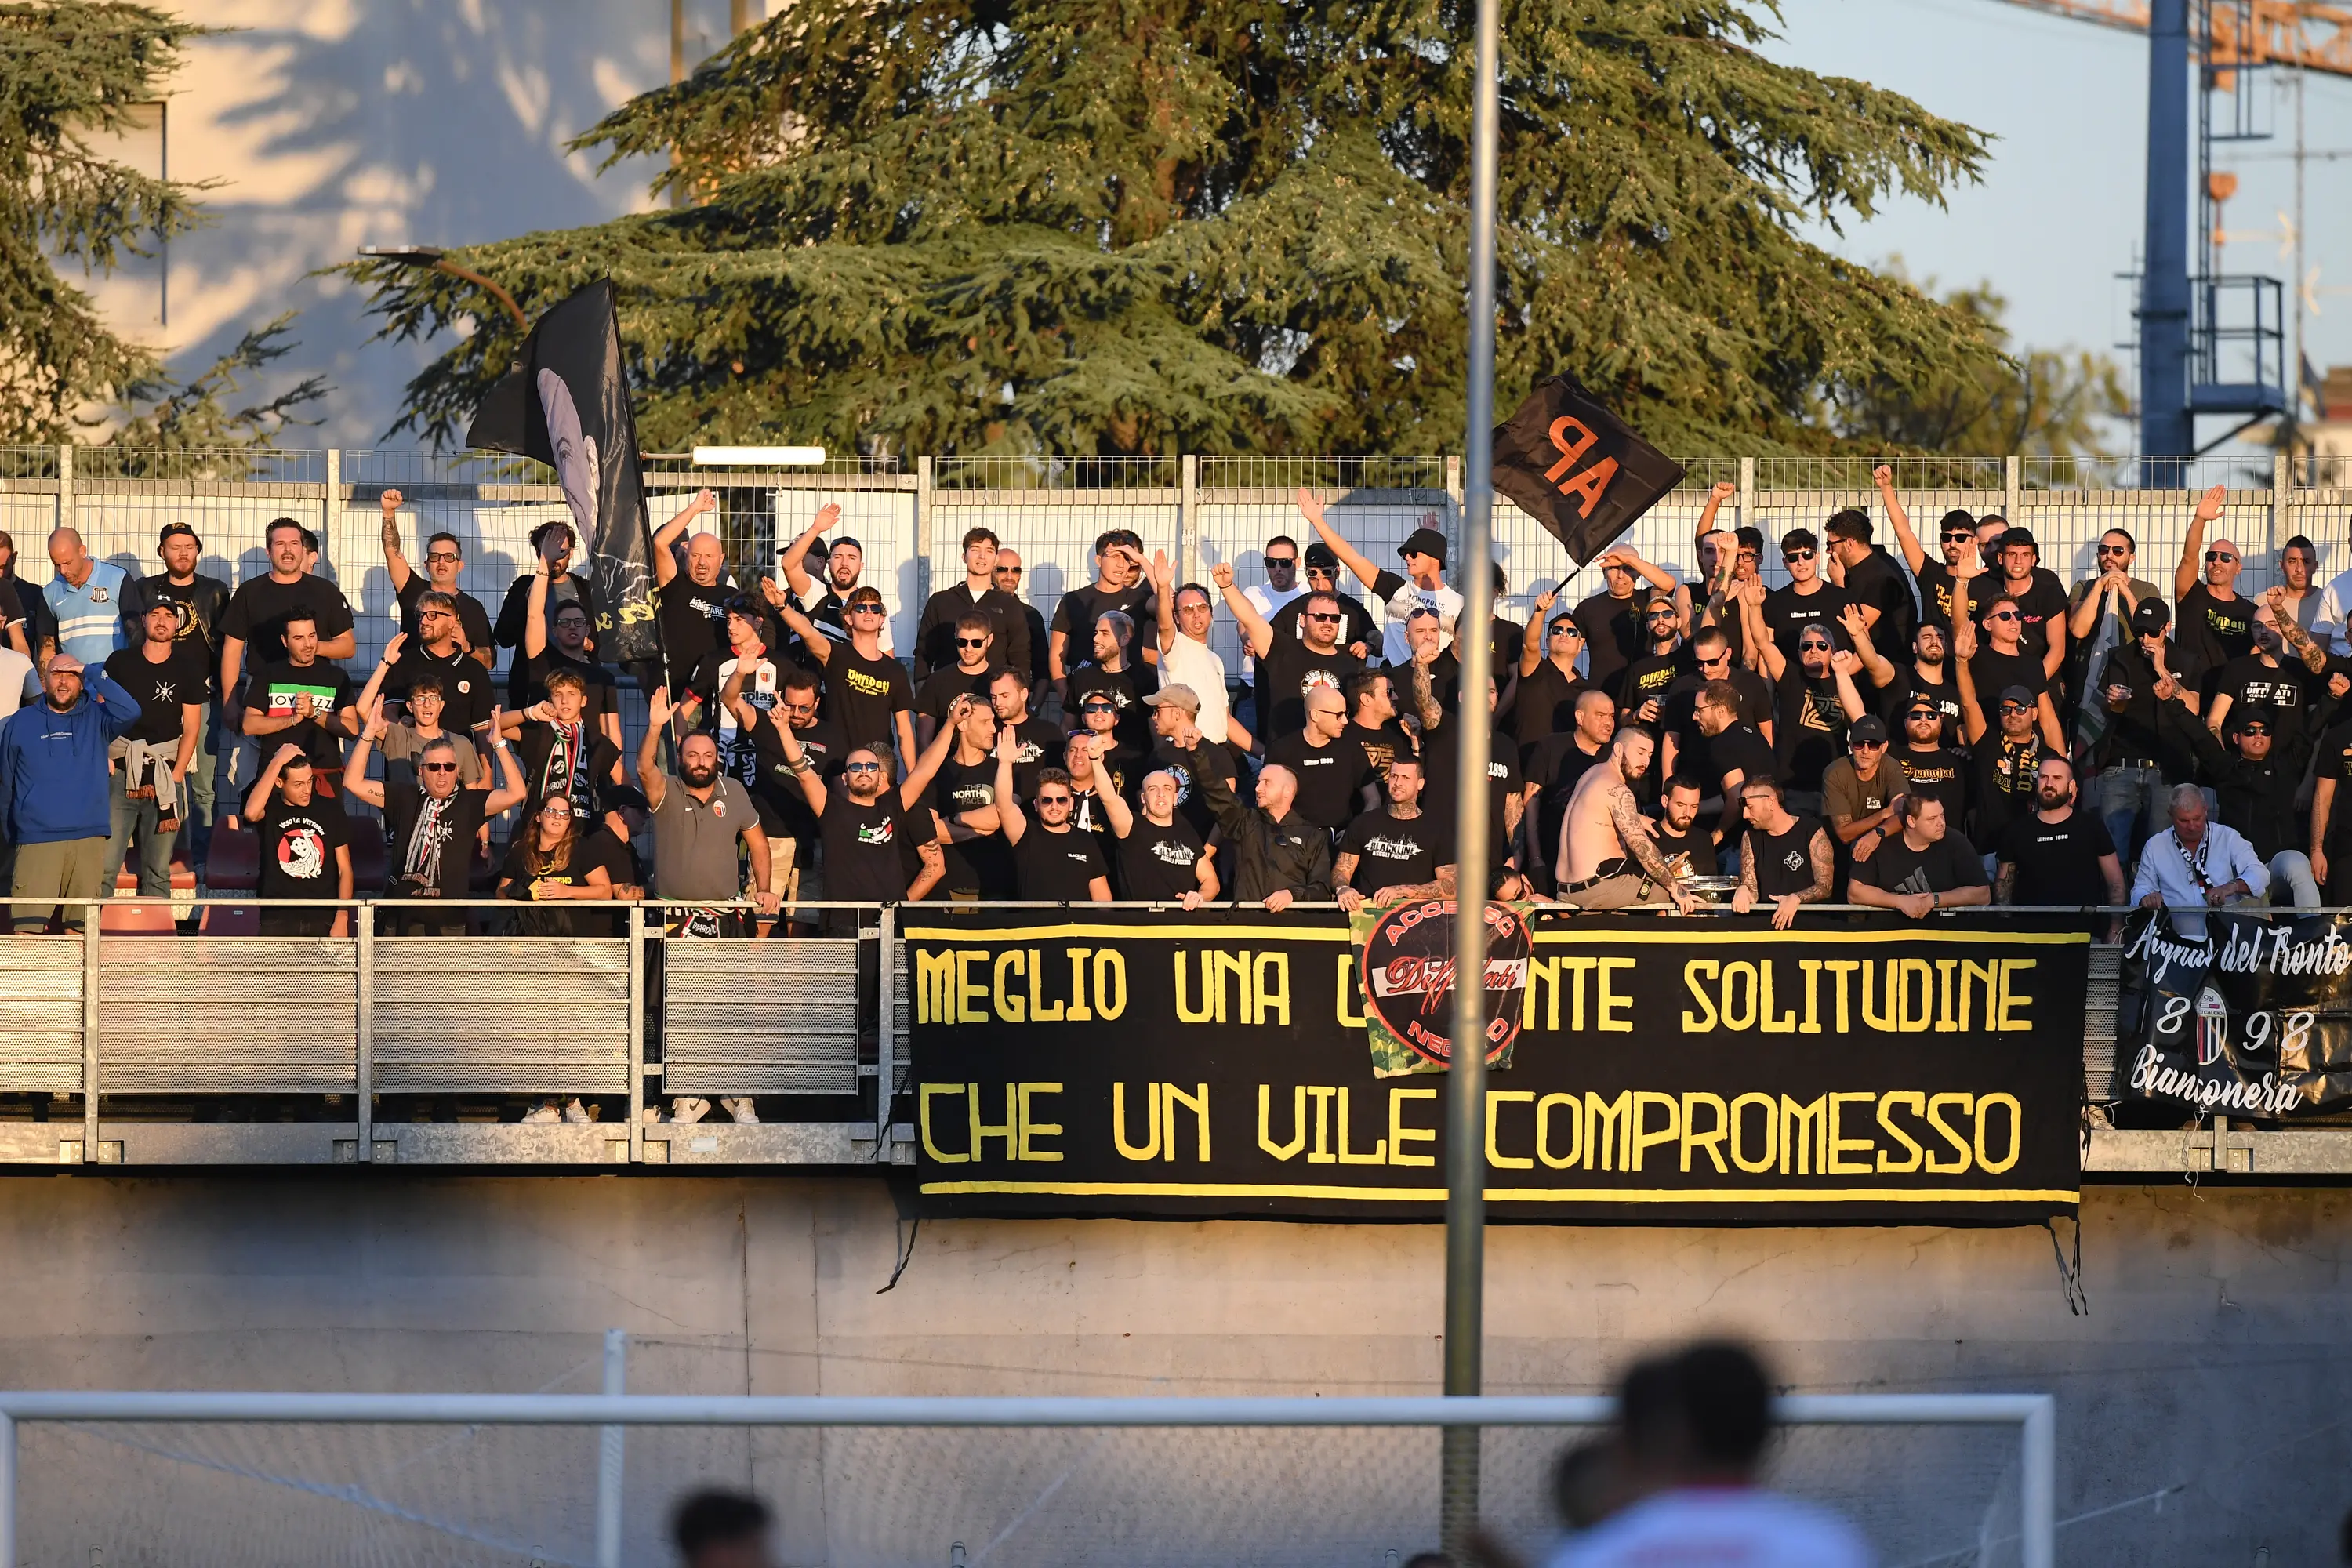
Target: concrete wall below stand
(2210, 1362)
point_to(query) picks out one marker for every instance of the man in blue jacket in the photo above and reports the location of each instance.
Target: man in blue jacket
(53, 789)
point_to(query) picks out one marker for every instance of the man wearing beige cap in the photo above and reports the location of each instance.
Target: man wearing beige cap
(1184, 750)
(53, 788)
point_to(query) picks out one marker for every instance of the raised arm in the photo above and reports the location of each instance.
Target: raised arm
(256, 799)
(1163, 590)
(804, 773)
(2298, 641)
(667, 536)
(1964, 651)
(2185, 574)
(1258, 632)
(1532, 651)
(820, 645)
(514, 789)
(395, 563)
(371, 693)
(534, 622)
(926, 767)
(1914, 554)
(1310, 507)
(1720, 491)
(1857, 631)
(794, 555)
(1764, 656)
(356, 784)
(1010, 819)
(1843, 665)
(649, 773)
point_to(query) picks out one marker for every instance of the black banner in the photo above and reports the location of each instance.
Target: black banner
(2239, 1015)
(566, 402)
(1216, 1065)
(1578, 469)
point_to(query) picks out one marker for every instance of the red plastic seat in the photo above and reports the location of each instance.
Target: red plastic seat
(232, 920)
(137, 917)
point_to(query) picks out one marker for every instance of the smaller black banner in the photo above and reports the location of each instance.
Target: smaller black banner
(2243, 1015)
(1578, 469)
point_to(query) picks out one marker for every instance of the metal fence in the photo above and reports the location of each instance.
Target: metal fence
(1201, 509)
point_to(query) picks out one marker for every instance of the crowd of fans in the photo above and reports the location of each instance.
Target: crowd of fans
(1915, 729)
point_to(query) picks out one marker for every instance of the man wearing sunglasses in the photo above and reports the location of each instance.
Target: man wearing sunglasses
(1942, 581)
(1815, 698)
(1549, 682)
(1053, 862)
(866, 821)
(1612, 621)
(867, 691)
(1997, 660)
(2003, 765)
(1664, 658)
(1683, 744)
(1859, 791)
(2144, 752)
(2040, 599)
(2113, 590)
(974, 666)
(2256, 769)
(431, 825)
(2282, 680)
(1288, 667)
(1333, 780)
(2214, 620)
(791, 827)
(1928, 766)
(1119, 584)
(1808, 599)
(1007, 577)
(1361, 634)
(1423, 582)
(444, 563)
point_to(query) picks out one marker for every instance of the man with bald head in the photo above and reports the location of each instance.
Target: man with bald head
(85, 602)
(1007, 576)
(2211, 617)
(693, 601)
(1279, 856)
(1336, 784)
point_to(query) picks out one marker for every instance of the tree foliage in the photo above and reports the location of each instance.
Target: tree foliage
(1134, 227)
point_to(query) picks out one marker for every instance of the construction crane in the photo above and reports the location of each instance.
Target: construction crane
(2191, 323)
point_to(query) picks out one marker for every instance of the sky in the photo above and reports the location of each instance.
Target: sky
(2057, 215)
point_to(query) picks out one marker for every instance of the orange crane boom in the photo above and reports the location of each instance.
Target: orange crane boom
(2314, 34)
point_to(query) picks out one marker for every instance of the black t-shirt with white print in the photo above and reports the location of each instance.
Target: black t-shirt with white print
(1393, 852)
(1156, 862)
(1057, 866)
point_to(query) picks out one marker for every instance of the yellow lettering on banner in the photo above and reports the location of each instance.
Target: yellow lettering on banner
(1871, 1016)
(1785, 1022)
(1321, 1154)
(1197, 1102)
(1379, 1154)
(1347, 993)
(1270, 978)
(971, 996)
(1960, 1145)
(1603, 1118)
(1496, 1099)
(1742, 1014)
(1973, 975)
(1009, 1008)
(923, 1098)
(1918, 975)
(2012, 1006)
(1812, 972)
(1187, 1014)
(1763, 1162)
(1945, 1022)
(1078, 1012)
(1038, 1011)
(1611, 1002)
(1010, 1130)
(1804, 1133)
(1918, 1104)
(1297, 1121)
(1835, 1142)
(1842, 968)
(1644, 1140)
(1704, 1020)
(1985, 1162)
(1031, 1129)
(1544, 1108)
(1149, 1148)
(1543, 974)
(935, 987)
(1711, 1139)
(1399, 1133)
(1236, 964)
(1578, 967)
(1110, 979)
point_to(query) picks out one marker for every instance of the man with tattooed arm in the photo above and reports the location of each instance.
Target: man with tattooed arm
(1607, 858)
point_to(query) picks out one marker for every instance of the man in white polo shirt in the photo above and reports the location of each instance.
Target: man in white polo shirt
(1186, 658)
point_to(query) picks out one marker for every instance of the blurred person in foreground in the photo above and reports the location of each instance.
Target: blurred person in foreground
(1691, 1428)
(718, 1529)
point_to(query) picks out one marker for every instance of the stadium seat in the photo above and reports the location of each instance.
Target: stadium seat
(232, 920)
(138, 917)
(370, 862)
(236, 863)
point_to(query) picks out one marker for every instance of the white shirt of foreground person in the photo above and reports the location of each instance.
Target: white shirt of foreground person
(1720, 1527)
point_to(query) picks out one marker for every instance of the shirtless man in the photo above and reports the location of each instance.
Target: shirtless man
(1606, 858)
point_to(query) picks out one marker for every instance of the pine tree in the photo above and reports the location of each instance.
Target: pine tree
(1121, 226)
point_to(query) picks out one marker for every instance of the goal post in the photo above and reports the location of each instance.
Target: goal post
(174, 1425)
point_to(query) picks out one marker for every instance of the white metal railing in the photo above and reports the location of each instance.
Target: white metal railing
(2034, 1416)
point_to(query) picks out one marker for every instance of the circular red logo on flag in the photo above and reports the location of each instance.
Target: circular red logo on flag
(1407, 963)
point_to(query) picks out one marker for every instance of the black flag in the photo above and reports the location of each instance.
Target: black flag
(566, 402)
(1578, 469)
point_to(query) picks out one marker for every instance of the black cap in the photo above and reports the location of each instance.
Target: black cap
(1424, 541)
(2017, 694)
(2017, 535)
(1868, 729)
(172, 530)
(1319, 557)
(2150, 617)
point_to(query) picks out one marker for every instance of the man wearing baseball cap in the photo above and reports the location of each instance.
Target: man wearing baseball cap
(53, 789)
(1423, 582)
(1858, 794)
(1182, 749)
(2004, 764)
(1358, 630)
(2140, 760)
(198, 602)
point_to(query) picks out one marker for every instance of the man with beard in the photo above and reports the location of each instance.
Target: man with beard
(865, 821)
(1111, 674)
(975, 638)
(1897, 689)
(2256, 787)
(1666, 657)
(1053, 861)
(1925, 766)
(1816, 698)
(198, 602)
(2001, 768)
(1944, 584)
(1927, 866)
(432, 823)
(1999, 660)
(964, 798)
(2040, 599)
(1119, 584)
(1289, 667)
(1873, 583)
(445, 563)
(1607, 858)
(2141, 756)
(1035, 743)
(2058, 853)
(1557, 764)
(2263, 682)
(1685, 845)
(823, 600)
(1784, 856)
(1279, 858)
(1611, 620)
(1007, 577)
(1397, 853)
(1175, 718)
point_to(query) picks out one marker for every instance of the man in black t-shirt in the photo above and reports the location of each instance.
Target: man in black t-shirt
(1035, 743)
(1928, 766)
(2002, 768)
(1120, 583)
(1054, 862)
(2214, 621)
(1182, 750)
(2059, 853)
(199, 602)
(1682, 842)
(444, 563)
(866, 823)
(867, 692)
(1928, 676)
(563, 641)
(151, 759)
(975, 635)
(1735, 752)
(1397, 853)
(1925, 868)
(1996, 660)
(1784, 856)
(306, 846)
(1810, 599)
(1815, 700)
(1160, 856)
(551, 547)
(1112, 674)
(438, 649)
(1335, 782)
(935, 633)
(302, 695)
(1548, 683)
(2039, 595)
(693, 603)
(1664, 658)
(965, 798)
(1870, 579)
(1289, 667)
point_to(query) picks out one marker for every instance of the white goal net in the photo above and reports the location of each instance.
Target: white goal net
(363, 1494)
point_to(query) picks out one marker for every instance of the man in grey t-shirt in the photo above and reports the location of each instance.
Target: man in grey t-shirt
(698, 813)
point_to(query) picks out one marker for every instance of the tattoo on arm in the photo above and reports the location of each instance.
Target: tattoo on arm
(1343, 870)
(1824, 869)
(2004, 886)
(1747, 875)
(1627, 820)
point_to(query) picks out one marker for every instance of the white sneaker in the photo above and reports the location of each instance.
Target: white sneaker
(652, 1113)
(577, 1111)
(688, 1108)
(741, 1108)
(543, 1111)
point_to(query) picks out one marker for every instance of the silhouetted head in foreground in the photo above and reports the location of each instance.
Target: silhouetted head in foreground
(721, 1529)
(1698, 1416)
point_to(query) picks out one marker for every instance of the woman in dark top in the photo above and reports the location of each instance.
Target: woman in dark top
(547, 864)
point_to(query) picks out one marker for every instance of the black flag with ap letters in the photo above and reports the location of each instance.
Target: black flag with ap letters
(1578, 469)
(566, 402)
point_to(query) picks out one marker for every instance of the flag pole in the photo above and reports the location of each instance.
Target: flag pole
(1465, 1132)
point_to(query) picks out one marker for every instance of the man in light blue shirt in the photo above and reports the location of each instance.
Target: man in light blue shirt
(2196, 864)
(85, 598)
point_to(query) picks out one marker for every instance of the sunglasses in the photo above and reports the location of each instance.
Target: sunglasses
(1326, 620)
(572, 623)
(2015, 708)
(1053, 800)
(438, 767)
(1813, 645)
(1798, 554)
(1099, 707)
(861, 767)
(1931, 714)
(2253, 728)
(865, 609)
(2213, 555)
(1285, 562)
(1659, 615)
(2114, 549)
(1008, 571)
(1955, 536)
(971, 642)
(1566, 632)
(441, 555)
(1706, 663)
(1869, 745)
(2002, 616)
